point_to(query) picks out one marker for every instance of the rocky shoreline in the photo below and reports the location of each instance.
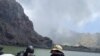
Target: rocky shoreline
(81, 49)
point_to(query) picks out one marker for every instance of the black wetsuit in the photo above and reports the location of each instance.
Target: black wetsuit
(25, 53)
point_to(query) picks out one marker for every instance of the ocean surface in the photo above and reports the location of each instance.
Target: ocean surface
(46, 52)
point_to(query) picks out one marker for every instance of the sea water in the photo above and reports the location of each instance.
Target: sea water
(46, 52)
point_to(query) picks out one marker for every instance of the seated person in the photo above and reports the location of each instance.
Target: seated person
(28, 52)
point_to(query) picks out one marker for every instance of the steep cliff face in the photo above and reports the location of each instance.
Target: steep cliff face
(16, 28)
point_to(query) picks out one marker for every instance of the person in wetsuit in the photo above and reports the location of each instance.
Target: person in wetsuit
(28, 52)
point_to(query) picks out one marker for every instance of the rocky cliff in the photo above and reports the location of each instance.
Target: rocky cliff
(16, 28)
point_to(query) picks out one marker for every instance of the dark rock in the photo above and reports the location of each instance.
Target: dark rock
(16, 28)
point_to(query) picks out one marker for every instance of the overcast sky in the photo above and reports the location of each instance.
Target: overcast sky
(62, 16)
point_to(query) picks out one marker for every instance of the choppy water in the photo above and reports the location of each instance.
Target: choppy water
(46, 52)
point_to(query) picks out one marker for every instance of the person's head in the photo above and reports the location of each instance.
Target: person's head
(30, 49)
(56, 48)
